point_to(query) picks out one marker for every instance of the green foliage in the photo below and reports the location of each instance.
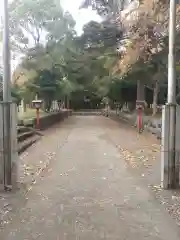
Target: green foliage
(104, 7)
(31, 22)
(59, 65)
(122, 91)
(100, 36)
(65, 66)
(16, 94)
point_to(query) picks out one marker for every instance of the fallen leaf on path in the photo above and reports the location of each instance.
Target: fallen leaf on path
(175, 198)
(158, 187)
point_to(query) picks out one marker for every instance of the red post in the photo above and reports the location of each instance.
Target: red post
(139, 122)
(37, 118)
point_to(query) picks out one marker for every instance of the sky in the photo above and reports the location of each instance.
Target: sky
(81, 16)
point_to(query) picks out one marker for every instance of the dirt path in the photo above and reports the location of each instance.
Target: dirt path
(88, 193)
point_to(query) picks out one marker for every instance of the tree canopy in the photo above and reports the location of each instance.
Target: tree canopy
(107, 60)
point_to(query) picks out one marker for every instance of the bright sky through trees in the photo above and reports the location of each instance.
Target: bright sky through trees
(82, 16)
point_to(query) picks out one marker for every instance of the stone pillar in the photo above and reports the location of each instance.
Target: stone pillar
(14, 144)
(1, 151)
(14, 147)
(170, 170)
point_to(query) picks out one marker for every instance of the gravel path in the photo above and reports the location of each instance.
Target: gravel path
(31, 164)
(88, 193)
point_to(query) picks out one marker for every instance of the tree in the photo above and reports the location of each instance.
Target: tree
(105, 7)
(147, 26)
(64, 64)
(16, 94)
(100, 36)
(31, 22)
(46, 87)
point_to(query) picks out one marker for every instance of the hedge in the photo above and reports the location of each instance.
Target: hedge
(47, 120)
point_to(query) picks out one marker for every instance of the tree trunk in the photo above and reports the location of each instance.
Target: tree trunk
(140, 91)
(48, 103)
(24, 106)
(67, 102)
(155, 98)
